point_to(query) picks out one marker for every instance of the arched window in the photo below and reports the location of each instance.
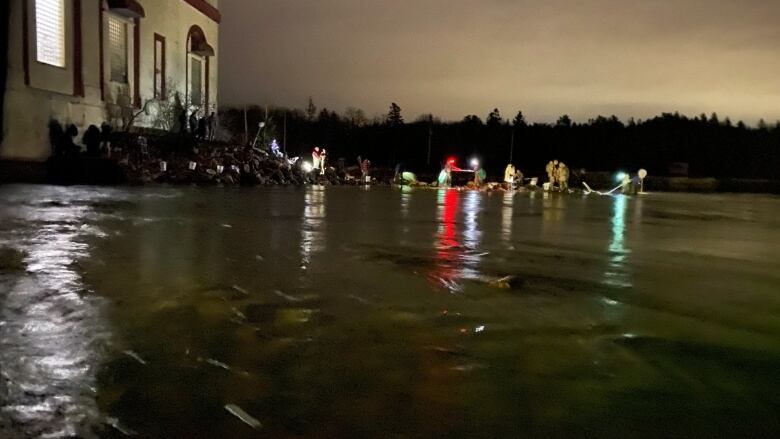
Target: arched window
(198, 53)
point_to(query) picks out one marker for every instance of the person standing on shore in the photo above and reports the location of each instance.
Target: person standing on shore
(182, 122)
(509, 175)
(212, 126)
(550, 169)
(193, 124)
(365, 168)
(518, 178)
(563, 177)
(480, 175)
(315, 158)
(323, 157)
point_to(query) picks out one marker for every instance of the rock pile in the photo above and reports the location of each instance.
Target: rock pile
(222, 165)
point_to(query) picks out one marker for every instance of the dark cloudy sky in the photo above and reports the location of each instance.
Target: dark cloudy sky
(547, 57)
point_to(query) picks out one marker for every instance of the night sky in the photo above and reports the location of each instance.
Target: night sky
(632, 58)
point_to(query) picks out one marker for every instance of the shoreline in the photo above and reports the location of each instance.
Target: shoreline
(265, 171)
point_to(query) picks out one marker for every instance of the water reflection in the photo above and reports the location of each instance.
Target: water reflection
(52, 328)
(312, 233)
(457, 252)
(472, 234)
(617, 273)
(448, 249)
(507, 212)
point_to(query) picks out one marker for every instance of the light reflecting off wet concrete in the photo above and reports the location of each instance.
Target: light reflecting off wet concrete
(386, 312)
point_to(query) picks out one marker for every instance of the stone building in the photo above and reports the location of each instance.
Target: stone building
(87, 62)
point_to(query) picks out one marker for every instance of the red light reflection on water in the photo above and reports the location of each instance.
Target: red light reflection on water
(449, 251)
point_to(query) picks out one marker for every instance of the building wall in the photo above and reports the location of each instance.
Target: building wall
(53, 93)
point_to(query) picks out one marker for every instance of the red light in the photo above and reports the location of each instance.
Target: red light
(451, 160)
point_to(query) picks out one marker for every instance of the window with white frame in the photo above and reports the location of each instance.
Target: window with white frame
(50, 32)
(117, 46)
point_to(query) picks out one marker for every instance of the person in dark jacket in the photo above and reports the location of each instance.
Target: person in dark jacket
(193, 124)
(92, 140)
(202, 128)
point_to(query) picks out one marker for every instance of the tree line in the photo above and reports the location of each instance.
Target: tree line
(709, 145)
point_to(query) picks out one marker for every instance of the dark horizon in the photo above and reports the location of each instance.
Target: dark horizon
(630, 59)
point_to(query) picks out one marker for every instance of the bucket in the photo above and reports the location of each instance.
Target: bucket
(163, 166)
(546, 186)
(193, 165)
(220, 169)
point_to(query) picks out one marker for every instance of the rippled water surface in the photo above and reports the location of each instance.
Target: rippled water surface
(342, 312)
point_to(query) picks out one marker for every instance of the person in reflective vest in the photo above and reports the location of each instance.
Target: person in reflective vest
(315, 158)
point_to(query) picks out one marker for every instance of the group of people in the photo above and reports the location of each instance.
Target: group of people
(319, 160)
(203, 128)
(558, 173)
(513, 177)
(97, 140)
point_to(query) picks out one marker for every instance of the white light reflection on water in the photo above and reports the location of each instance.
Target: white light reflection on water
(406, 199)
(52, 332)
(617, 274)
(507, 212)
(472, 234)
(312, 235)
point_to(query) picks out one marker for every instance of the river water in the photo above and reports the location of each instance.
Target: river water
(346, 312)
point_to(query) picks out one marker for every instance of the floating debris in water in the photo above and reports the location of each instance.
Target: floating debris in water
(359, 299)
(286, 296)
(479, 329)
(226, 226)
(506, 282)
(221, 365)
(238, 313)
(245, 417)
(118, 426)
(259, 258)
(468, 367)
(457, 352)
(135, 357)
(214, 362)
(609, 301)
(240, 290)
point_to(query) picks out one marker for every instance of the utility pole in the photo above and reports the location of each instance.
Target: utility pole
(511, 145)
(430, 134)
(246, 128)
(284, 134)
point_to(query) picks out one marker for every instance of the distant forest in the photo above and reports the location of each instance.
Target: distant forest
(711, 146)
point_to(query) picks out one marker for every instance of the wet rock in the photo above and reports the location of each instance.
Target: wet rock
(506, 283)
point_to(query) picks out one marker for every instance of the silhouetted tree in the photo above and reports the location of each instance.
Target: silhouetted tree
(604, 143)
(519, 120)
(355, 116)
(494, 118)
(714, 119)
(472, 119)
(564, 121)
(394, 117)
(311, 110)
